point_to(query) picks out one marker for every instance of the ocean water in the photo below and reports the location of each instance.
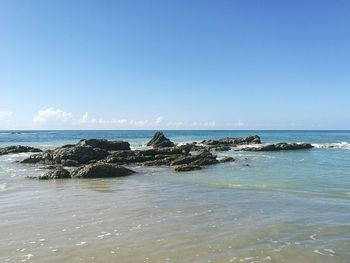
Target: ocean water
(264, 207)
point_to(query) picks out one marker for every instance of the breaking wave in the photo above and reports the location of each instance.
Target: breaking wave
(339, 145)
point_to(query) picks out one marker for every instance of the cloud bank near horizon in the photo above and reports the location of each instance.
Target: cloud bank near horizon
(54, 118)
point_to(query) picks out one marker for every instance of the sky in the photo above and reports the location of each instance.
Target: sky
(174, 64)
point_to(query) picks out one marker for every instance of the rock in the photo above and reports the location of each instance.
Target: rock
(126, 157)
(159, 140)
(18, 149)
(164, 160)
(234, 141)
(166, 151)
(44, 157)
(69, 162)
(186, 168)
(58, 173)
(79, 154)
(278, 147)
(108, 145)
(202, 158)
(35, 158)
(218, 148)
(101, 170)
(226, 159)
(184, 160)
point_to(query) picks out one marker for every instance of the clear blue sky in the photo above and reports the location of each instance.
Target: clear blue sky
(174, 64)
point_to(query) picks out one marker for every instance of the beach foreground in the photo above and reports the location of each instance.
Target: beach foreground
(263, 207)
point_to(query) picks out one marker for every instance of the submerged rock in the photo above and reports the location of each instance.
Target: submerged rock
(159, 140)
(226, 159)
(18, 149)
(109, 145)
(101, 170)
(57, 173)
(186, 168)
(278, 147)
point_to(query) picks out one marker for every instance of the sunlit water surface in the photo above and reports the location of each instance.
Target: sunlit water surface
(264, 207)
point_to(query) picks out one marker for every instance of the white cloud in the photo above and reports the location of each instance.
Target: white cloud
(175, 124)
(5, 115)
(57, 118)
(113, 122)
(84, 118)
(159, 120)
(53, 115)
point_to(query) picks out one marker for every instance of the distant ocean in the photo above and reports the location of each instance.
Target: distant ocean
(264, 207)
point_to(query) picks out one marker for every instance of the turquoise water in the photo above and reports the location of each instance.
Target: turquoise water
(264, 207)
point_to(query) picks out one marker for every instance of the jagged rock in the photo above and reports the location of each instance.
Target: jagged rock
(218, 148)
(79, 154)
(241, 141)
(165, 151)
(186, 167)
(279, 147)
(164, 160)
(226, 159)
(35, 158)
(159, 140)
(18, 149)
(101, 170)
(44, 158)
(69, 162)
(233, 141)
(125, 157)
(58, 173)
(202, 158)
(108, 145)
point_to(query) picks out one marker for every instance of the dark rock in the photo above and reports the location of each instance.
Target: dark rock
(79, 154)
(126, 157)
(159, 140)
(186, 167)
(279, 147)
(234, 141)
(18, 149)
(101, 170)
(190, 147)
(162, 160)
(69, 162)
(108, 145)
(211, 142)
(165, 151)
(226, 159)
(202, 158)
(241, 141)
(58, 173)
(35, 158)
(218, 148)
(44, 157)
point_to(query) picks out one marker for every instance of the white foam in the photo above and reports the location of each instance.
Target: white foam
(3, 187)
(313, 237)
(339, 145)
(318, 252)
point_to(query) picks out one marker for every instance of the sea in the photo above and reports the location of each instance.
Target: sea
(290, 207)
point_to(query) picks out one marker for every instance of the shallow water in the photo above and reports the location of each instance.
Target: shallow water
(282, 207)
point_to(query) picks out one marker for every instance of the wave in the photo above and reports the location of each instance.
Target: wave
(3, 187)
(339, 145)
